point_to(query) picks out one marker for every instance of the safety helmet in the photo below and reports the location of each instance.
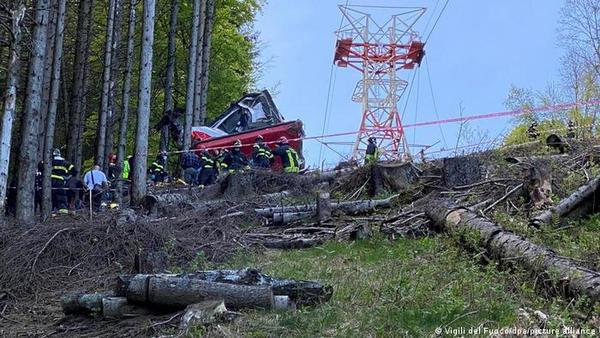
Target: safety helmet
(259, 138)
(372, 140)
(283, 140)
(237, 143)
(56, 152)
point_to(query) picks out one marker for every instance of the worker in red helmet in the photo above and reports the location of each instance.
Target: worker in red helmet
(289, 156)
(261, 154)
(235, 159)
(113, 168)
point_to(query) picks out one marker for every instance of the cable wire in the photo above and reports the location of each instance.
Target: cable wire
(436, 21)
(437, 115)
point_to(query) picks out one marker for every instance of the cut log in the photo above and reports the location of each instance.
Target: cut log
(507, 247)
(181, 291)
(462, 170)
(288, 217)
(118, 307)
(323, 207)
(566, 206)
(301, 292)
(538, 184)
(83, 303)
(287, 214)
(392, 177)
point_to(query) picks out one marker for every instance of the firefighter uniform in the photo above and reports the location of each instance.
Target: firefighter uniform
(59, 176)
(235, 159)
(261, 156)
(157, 169)
(288, 156)
(372, 153)
(209, 169)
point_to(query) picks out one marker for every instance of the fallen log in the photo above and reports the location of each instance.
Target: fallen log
(301, 292)
(567, 205)
(287, 214)
(181, 291)
(118, 307)
(567, 275)
(83, 303)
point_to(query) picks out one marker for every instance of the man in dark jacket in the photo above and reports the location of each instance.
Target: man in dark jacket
(261, 154)
(289, 156)
(236, 160)
(190, 163)
(372, 153)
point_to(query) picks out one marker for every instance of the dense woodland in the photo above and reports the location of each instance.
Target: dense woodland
(92, 77)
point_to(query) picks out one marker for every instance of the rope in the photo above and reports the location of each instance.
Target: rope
(436, 21)
(437, 115)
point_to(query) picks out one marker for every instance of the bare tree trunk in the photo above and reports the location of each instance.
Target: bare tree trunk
(47, 77)
(191, 80)
(210, 19)
(10, 100)
(53, 106)
(78, 83)
(127, 83)
(170, 75)
(143, 119)
(31, 116)
(198, 71)
(115, 67)
(104, 98)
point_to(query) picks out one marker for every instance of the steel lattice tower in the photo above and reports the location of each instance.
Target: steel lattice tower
(380, 52)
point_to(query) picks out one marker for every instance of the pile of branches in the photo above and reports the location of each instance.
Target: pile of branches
(73, 253)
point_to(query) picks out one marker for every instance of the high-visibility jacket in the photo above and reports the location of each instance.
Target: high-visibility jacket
(236, 160)
(372, 154)
(126, 168)
(289, 158)
(60, 168)
(261, 156)
(207, 161)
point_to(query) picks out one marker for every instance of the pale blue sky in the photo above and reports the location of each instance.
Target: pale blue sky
(478, 49)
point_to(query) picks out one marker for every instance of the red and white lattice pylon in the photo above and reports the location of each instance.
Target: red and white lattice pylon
(380, 51)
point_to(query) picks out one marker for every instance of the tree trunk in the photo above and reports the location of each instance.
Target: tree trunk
(170, 74)
(10, 100)
(53, 106)
(31, 116)
(210, 19)
(191, 78)
(179, 292)
(568, 204)
(79, 83)
(198, 70)
(503, 245)
(46, 86)
(106, 84)
(324, 207)
(115, 68)
(145, 82)
(127, 83)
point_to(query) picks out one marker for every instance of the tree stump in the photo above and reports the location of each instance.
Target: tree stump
(463, 170)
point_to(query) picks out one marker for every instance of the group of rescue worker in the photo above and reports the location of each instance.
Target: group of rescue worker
(533, 132)
(203, 169)
(200, 168)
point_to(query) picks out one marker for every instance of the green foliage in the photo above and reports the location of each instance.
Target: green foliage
(232, 64)
(382, 288)
(518, 134)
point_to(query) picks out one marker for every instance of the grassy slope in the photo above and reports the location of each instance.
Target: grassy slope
(383, 288)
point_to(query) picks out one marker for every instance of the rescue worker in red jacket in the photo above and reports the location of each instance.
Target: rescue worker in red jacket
(289, 156)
